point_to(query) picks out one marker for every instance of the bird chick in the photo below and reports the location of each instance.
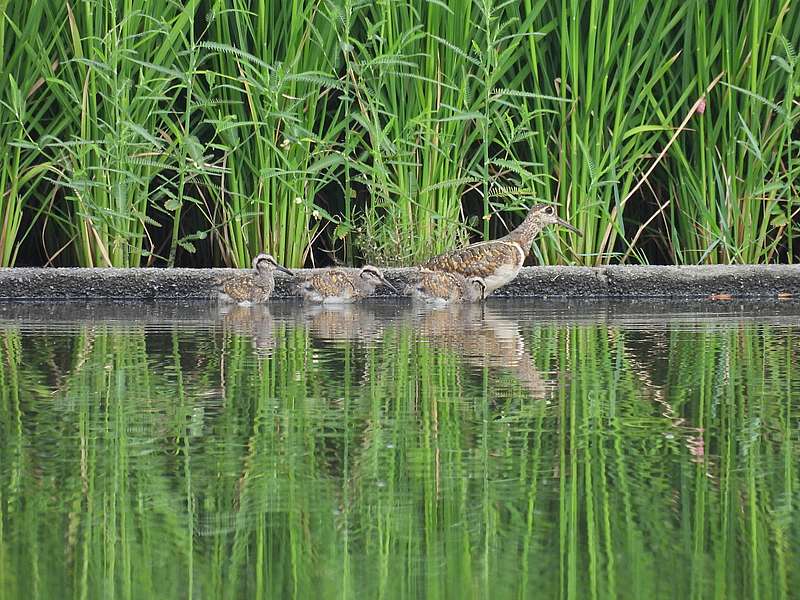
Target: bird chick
(439, 287)
(252, 288)
(340, 286)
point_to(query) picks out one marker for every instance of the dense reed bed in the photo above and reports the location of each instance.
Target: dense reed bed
(343, 455)
(199, 133)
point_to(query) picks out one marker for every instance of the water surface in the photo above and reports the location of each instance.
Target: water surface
(511, 450)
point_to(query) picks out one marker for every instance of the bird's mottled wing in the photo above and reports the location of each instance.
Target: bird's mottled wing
(478, 260)
(440, 284)
(333, 283)
(246, 287)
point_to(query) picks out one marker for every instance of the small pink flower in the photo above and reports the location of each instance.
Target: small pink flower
(701, 106)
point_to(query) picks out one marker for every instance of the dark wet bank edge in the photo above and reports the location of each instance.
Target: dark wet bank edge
(735, 281)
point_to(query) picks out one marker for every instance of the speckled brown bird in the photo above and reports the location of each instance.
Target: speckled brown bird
(252, 288)
(439, 287)
(339, 286)
(498, 261)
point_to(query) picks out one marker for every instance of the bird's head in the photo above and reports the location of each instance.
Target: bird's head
(266, 262)
(374, 276)
(478, 286)
(546, 214)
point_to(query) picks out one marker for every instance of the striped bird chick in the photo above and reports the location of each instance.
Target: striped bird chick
(439, 287)
(498, 261)
(340, 286)
(252, 288)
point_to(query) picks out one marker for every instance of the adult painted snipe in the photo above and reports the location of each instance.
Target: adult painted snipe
(498, 261)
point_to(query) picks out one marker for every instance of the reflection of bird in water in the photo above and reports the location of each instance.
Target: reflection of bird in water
(252, 288)
(439, 287)
(341, 286)
(483, 339)
(342, 322)
(253, 321)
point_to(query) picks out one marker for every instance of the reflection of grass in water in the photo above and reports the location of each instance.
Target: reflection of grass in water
(164, 460)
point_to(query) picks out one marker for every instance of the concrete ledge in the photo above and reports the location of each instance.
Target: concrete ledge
(736, 281)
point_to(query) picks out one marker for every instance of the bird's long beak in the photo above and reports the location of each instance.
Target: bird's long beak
(569, 226)
(284, 269)
(389, 285)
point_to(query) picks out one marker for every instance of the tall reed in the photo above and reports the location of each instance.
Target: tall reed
(428, 99)
(118, 78)
(732, 191)
(24, 108)
(136, 133)
(269, 78)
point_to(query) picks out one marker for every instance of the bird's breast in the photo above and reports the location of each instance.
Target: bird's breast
(506, 265)
(502, 275)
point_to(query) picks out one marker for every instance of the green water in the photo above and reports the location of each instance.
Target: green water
(516, 450)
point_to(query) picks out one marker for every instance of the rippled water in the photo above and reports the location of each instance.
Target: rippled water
(514, 450)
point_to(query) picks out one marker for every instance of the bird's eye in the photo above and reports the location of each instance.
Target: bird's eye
(549, 210)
